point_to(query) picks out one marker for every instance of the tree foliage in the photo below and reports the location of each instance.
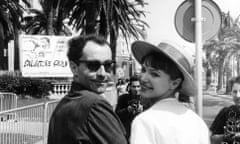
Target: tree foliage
(47, 21)
(219, 51)
(11, 14)
(108, 18)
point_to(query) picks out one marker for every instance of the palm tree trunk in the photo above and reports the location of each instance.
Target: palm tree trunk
(91, 17)
(238, 65)
(16, 52)
(2, 46)
(105, 18)
(220, 75)
(50, 22)
(104, 26)
(113, 43)
(208, 77)
(59, 23)
(228, 87)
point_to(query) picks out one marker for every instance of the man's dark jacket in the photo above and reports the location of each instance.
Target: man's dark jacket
(84, 117)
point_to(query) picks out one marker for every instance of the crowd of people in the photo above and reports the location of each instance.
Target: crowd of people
(154, 107)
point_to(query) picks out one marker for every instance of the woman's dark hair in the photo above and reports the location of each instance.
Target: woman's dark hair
(183, 98)
(160, 61)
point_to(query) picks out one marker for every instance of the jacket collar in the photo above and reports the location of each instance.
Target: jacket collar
(75, 90)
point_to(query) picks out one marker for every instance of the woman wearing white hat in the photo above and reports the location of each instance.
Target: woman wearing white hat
(166, 71)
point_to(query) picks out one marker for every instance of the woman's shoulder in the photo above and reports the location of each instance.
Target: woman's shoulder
(149, 116)
(145, 115)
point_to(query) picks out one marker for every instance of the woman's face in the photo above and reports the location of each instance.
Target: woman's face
(155, 83)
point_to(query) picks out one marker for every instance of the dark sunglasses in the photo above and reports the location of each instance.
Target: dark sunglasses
(94, 65)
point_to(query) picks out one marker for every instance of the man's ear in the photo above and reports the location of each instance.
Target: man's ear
(73, 67)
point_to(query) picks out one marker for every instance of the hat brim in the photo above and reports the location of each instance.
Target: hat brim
(140, 49)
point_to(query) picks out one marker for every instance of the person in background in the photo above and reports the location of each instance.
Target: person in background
(225, 128)
(83, 116)
(129, 104)
(111, 94)
(121, 86)
(166, 70)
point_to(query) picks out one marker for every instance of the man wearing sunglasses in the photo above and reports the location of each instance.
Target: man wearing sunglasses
(83, 116)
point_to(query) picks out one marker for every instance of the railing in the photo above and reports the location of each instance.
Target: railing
(29, 124)
(10, 73)
(26, 125)
(7, 101)
(60, 89)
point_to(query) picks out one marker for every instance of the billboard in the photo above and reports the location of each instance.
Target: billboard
(44, 56)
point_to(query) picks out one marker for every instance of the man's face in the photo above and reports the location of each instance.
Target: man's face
(91, 71)
(135, 88)
(236, 93)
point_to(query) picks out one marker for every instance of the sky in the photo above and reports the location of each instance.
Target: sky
(229, 5)
(160, 18)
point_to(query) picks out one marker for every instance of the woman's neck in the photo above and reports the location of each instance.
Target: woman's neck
(154, 100)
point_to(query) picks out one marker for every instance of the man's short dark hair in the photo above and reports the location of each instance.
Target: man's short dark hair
(133, 79)
(235, 80)
(76, 45)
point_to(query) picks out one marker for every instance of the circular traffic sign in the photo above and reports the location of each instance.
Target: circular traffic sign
(185, 23)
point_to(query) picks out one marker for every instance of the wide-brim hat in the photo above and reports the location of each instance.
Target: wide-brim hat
(140, 49)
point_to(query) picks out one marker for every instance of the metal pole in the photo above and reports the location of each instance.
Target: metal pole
(11, 56)
(198, 43)
(45, 120)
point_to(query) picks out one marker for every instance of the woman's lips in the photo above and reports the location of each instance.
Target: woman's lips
(145, 87)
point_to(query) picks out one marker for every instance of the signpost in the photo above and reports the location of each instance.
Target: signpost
(197, 21)
(198, 42)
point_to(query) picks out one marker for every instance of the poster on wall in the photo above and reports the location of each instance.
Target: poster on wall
(123, 68)
(44, 56)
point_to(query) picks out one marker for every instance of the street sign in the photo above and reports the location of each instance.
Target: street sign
(185, 20)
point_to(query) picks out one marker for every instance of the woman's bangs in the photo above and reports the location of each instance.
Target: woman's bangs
(152, 61)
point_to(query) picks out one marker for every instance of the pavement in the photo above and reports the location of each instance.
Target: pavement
(213, 102)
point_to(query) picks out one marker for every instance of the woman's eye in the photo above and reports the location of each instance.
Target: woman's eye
(155, 74)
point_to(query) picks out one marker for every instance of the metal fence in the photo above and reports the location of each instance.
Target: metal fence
(7, 101)
(26, 125)
(29, 124)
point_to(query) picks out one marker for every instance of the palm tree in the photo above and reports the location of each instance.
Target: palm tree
(10, 14)
(210, 63)
(106, 17)
(47, 21)
(227, 43)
